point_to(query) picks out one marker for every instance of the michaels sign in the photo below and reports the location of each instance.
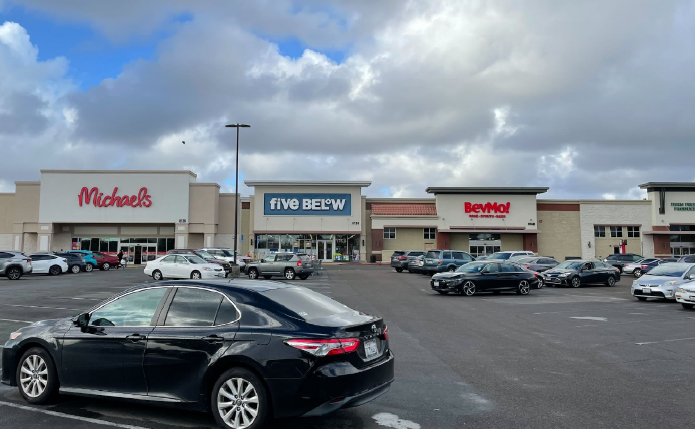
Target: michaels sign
(275, 204)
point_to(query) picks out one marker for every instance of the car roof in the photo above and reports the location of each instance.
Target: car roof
(225, 284)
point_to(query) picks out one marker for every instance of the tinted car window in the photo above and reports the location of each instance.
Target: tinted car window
(226, 314)
(270, 258)
(415, 253)
(503, 256)
(447, 255)
(474, 267)
(508, 268)
(432, 255)
(458, 255)
(135, 309)
(307, 303)
(668, 270)
(398, 253)
(193, 307)
(492, 268)
(5, 255)
(569, 265)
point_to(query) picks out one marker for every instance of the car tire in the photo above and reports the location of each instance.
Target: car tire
(89, 267)
(54, 270)
(290, 274)
(13, 273)
(637, 273)
(451, 269)
(641, 298)
(443, 292)
(524, 288)
(303, 277)
(157, 275)
(75, 269)
(195, 275)
(610, 281)
(267, 277)
(575, 282)
(225, 401)
(687, 306)
(468, 288)
(399, 270)
(106, 266)
(253, 273)
(37, 379)
(540, 283)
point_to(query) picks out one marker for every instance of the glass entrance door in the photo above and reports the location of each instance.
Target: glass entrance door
(137, 255)
(324, 250)
(479, 249)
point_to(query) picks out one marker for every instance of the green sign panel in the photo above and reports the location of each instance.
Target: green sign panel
(683, 207)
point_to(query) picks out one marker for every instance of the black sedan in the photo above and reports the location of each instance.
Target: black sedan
(484, 276)
(577, 273)
(245, 351)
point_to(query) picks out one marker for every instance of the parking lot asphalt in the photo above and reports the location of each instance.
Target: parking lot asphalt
(558, 358)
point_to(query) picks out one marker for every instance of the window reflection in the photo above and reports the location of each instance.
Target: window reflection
(136, 309)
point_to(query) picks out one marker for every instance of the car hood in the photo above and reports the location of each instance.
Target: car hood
(558, 271)
(647, 279)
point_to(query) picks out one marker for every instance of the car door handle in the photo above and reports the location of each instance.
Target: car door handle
(213, 339)
(136, 337)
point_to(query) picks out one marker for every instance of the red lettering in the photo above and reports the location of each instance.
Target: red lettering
(88, 194)
(486, 208)
(133, 198)
(476, 208)
(93, 196)
(466, 206)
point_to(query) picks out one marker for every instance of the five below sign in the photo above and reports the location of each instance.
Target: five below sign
(307, 204)
(487, 210)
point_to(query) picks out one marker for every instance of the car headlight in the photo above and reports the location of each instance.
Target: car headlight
(564, 274)
(671, 283)
(681, 290)
(15, 335)
(207, 269)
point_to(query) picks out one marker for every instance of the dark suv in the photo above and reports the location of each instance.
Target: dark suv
(618, 260)
(205, 255)
(401, 258)
(439, 261)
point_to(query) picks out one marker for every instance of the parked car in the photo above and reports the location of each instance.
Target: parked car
(685, 295)
(287, 265)
(48, 263)
(537, 263)
(689, 259)
(246, 351)
(226, 266)
(663, 281)
(439, 261)
(507, 254)
(576, 273)
(88, 257)
(484, 276)
(225, 255)
(415, 266)
(645, 268)
(635, 268)
(536, 274)
(400, 259)
(183, 266)
(105, 261)
(619, 260)
(481, 257)
(75, 261)
(14, 264)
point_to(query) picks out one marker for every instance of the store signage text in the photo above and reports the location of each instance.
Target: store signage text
(86, 195)
(307, 204)
(683, 207)
(487, 210)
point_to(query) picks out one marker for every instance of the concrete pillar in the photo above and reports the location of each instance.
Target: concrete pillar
(181, 236)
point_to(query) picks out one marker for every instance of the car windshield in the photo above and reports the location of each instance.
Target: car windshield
(569, 265)
(500, 255)
(668, 270)
(228, 253)
(204, 254)
(471, 267)
(306, 303)
(193, 259)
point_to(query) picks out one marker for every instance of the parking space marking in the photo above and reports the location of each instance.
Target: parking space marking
(18, 321)
(600, 319)
(40, 306)
(68, 416)
(665, 341)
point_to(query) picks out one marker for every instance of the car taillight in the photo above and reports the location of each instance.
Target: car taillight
(402, 257)
(644, 266)
(28, 259)
(439, 262)
(325, 347)
(386, 333)
(617, 270)
(625, 265)
(299, 263)
(528, 267)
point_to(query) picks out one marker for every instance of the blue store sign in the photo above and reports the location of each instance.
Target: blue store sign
(307, 204)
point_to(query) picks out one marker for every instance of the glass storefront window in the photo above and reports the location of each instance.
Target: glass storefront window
(113, 245)
(161, 245)
(84, 245)
(170, 244)
(273, 243)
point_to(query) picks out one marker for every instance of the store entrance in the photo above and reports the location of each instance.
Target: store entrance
(324, 250)
(483, 249)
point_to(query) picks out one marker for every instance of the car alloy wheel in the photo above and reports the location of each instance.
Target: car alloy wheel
(253, 274)
(54, 270)
(289, 274)
(195, 275)
(89, 268)
(106, 266)
(157, 275)
(637, 273)
(14, 273)
(576, 282)
(75, 269)
(33, 377)
(611, 281)
(524, 288)
(238, 403)
(540, 284)
(468, 288)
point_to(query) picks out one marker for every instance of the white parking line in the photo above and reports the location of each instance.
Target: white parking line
(18, 321)
(40, 306)
(68, 416)
(665, 341)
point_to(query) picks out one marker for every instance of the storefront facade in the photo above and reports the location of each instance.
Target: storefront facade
(672, 217)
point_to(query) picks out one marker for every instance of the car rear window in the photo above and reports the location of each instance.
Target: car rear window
(432, 255)
(398, 253)
(306, 303)
(503, 256)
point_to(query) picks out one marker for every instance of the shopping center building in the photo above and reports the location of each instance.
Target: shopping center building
(147, 213)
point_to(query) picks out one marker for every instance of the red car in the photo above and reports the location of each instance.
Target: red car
(104, 261)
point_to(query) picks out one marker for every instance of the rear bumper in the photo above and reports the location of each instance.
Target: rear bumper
(399, 264)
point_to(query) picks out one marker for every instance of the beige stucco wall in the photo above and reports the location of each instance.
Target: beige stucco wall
(27, 201)
(195, 241)
(7, 212)
(559, 235)
(61, 241)
(226, 214)
(672, 215)
(407, 239)
(30, 243)
(459, 241)
(204, 203)
(605, 246)
(245, 228)
(512, 242)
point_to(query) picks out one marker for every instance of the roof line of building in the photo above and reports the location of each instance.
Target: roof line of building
(486, 190)
(254, 183)
(189, 172)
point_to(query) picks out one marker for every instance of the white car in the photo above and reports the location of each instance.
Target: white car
(227, 255)
(685, 295)
(47, 263)
(183, 267)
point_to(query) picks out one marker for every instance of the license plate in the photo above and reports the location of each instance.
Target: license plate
(370, 349)
(646, 290)
(436, 284)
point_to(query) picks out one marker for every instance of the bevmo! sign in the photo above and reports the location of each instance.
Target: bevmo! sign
(487, 210)
(86, 195)
(276, 204)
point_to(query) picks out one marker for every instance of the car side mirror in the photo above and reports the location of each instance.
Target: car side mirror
(691, 277)
(81, 321)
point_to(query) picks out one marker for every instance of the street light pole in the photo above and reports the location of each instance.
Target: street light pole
(236, 192)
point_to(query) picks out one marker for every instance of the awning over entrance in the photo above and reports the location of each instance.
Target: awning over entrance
(668, 232)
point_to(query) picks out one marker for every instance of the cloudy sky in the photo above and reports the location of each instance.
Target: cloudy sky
(590, 98)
